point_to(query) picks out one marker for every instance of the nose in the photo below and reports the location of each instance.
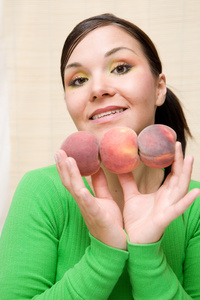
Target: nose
(101, 88)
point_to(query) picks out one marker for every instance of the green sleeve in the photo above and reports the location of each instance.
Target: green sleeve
(94, 277)
(29, 248)
(191, 279)
(152, 277)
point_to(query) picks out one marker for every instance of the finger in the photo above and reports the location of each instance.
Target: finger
(100, 185)
(178, 159)
(89, 206)
(186, 173)
(59, 156)
(75, 179)
(75, 185)
(178, 184)
(60, 159)
(100, 222)
(188, 165)
(181, 170)
(128, 184)
(68, 172)
(181, 206)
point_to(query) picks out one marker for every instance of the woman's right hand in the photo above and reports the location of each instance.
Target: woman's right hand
(101, 214)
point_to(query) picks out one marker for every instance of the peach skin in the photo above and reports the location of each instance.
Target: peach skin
(119, 150)
(157, 145)
(83, 146)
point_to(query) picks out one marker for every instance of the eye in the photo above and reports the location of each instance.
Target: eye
(79, 81)
(121, 69)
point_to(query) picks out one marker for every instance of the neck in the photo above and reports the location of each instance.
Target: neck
(148, 181)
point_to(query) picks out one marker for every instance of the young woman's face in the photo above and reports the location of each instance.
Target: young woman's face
(108, 83)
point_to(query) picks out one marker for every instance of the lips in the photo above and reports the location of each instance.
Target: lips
(110, 110)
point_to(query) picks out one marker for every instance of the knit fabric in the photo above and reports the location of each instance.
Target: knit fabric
(46, 251)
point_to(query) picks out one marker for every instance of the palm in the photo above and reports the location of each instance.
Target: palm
(101, 213)
(103, 216)
(147, 215)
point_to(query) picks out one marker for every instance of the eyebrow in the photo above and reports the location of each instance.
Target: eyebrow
(73, 65)
(109, 53)
(114, 50)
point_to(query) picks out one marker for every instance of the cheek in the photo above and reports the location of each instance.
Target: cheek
(140, 87)
(73, 103)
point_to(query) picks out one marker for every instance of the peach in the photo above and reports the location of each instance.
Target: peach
(83, 146)
(156, 145)
(119, 150)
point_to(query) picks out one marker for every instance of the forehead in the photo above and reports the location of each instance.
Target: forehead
(103, 39)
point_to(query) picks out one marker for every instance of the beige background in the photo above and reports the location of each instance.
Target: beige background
(34, 33)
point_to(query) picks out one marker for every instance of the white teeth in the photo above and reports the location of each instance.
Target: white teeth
(107, 113)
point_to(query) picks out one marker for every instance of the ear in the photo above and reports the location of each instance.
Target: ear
(161, 90)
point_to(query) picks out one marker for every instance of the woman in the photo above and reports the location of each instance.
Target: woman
(128, 236)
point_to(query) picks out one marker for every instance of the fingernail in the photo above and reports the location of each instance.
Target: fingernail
(83, 195)
(57, 157)
(68, 164)
(179, 145)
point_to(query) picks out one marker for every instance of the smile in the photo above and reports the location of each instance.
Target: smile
(107, 113)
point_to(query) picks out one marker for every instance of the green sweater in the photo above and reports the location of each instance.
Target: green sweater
(46, 252)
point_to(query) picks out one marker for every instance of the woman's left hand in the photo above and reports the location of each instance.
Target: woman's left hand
(146, 216)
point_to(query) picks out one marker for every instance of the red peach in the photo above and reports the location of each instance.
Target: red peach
(83, 146)
(157, 145)
(119, 150)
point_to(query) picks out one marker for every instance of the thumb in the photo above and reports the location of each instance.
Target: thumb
(128, 184)
(100, 185)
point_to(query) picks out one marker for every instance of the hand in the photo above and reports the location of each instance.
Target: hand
(146, 216)
(101, 213)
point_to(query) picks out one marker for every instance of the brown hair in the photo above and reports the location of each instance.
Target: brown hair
(171, 112)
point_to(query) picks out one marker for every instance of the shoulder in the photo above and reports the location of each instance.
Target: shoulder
(48, 174)
(41, 197)
(44, 181)
(41, 193)
(41, 182)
